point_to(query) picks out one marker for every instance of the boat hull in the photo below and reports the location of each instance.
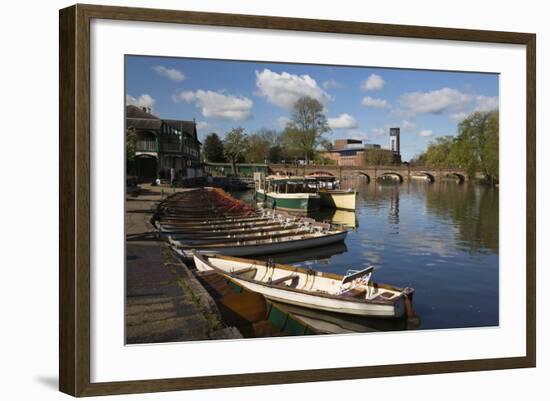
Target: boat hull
(338, 199)
(263, 248)
(297, 202)
(312, 301)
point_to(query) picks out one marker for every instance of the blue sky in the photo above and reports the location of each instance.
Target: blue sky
(360, 102)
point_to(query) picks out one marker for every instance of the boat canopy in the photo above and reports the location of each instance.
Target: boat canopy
(289, 180)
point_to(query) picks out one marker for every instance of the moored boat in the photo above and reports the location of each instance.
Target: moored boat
(352, 294)
(332, 196)
(265, 246)
(338, 199)
(288, 194)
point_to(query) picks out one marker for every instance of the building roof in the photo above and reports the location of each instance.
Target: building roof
(137, 112)
(139, 118)
(187, 127)
(143, 123)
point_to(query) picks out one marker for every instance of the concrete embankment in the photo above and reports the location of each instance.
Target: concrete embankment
(164, 301)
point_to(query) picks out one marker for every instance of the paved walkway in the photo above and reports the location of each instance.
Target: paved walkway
(164, 301)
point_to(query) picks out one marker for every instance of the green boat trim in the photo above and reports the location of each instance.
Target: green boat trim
(302, 202)
(287, 322)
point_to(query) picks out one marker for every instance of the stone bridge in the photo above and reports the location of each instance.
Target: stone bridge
(371, 173)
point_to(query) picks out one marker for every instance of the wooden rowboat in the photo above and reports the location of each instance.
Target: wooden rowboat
(244, 236)
(268, 246)
(353, 294)
(183, 232)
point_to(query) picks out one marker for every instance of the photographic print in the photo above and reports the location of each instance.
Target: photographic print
(275, 199)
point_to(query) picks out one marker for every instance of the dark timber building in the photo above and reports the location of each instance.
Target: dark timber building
(162, 145)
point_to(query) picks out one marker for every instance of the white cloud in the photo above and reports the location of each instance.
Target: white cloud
(332, 84)
(373, 83)
(144, 100)
(170, 73)
(486, 103)
(283, 121)
(342, 121)
(202, 125)
(425, 133)
(406, 125)
(378, 132)
(445, 100)
(285, 89)
(356, 134)
(186, 96)
(374, 102)
(456, 117)
(218, 104)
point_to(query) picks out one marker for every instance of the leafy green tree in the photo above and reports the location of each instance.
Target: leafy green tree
(275, 154)
(326, 145)
(438, 152)
(307, 125)
(131, 139)
(477, 144)
(235, 146)
(491, 147)
(418, 160)
(213, 148)
(475, 148)
(378, 157)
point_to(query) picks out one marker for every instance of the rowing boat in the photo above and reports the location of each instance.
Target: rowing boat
(167, 230)
(352, 294)
(246, 236)
(266, 246)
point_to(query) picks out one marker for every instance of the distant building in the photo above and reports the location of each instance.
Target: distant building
(349, 152)
(395, 144)
(162, 145)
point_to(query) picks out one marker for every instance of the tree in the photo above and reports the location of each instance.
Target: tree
(235, 146)
(438, 152)
(418, 160)
(275, 153)
(305, 130)
(378, 157)
(131, 139)
(478, 140)
(258, 149)
(490, 148)
(326, 145)
(213, 148)
(475, 148)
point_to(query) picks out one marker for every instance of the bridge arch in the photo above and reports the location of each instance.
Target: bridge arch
(460, 178)
(321, 172)
(390, 175)
(429, 176)
(362, 174)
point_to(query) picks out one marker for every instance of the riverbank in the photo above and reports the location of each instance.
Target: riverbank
(164, 301)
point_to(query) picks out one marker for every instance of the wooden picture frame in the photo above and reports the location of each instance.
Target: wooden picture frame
(74, 204)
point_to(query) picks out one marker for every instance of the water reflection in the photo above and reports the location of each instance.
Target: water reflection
(335, 323)
(439, 238)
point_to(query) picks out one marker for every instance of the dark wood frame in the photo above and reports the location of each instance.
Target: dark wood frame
(74, 202)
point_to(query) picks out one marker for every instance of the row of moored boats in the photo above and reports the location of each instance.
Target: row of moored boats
(215, 231)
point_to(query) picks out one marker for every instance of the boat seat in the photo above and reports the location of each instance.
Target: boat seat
(245, 270)
(384, 295)
(281, 280)
(353, 293)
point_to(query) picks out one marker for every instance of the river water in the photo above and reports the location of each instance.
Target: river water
(440, 238)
